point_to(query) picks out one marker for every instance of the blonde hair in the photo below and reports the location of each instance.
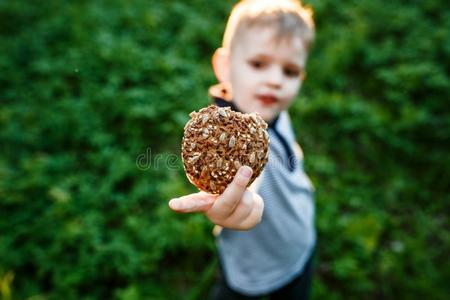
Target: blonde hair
(289, 17)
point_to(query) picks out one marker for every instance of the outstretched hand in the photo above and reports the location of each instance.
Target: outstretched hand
(236, 208)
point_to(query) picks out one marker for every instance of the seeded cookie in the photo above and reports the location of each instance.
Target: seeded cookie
(217, 141)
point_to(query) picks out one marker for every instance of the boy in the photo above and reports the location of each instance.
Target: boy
(260, 67)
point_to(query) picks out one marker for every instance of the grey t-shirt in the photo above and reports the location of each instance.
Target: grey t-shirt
(276, 250)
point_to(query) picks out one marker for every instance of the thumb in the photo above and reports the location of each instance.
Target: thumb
(233, 193)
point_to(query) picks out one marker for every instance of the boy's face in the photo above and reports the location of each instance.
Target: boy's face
(265, 72)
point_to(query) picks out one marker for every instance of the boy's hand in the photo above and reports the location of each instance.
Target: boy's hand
(236, 208)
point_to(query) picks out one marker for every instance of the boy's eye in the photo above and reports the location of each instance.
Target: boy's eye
(257, 64)
(292, 72)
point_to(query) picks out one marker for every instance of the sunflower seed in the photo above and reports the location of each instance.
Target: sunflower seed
(232, 142)
(212, 186)
(205, 119)
(261, 154)
(237, 164)
(252, 157)
(222, 112)
(222, 136)
(219, 163)
(194, 158)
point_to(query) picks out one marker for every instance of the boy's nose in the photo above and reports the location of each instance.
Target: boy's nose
(275, 77)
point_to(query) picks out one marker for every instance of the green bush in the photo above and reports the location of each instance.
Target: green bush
(90, 87)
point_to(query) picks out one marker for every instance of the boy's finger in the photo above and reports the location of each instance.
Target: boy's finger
(227, 201)
(243, 209)
(256, 214)
(192, 203)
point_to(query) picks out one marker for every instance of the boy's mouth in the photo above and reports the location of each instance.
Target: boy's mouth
(267, 99)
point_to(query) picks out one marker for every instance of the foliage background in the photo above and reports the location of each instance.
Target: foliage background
(86, 87)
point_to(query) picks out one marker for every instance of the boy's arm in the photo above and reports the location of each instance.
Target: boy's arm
(236, 208)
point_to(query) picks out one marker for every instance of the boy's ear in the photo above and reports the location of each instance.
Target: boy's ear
(221, 64)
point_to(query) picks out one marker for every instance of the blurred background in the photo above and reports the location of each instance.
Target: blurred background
(93, 99)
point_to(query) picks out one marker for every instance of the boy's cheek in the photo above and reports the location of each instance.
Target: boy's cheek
(286, 103)
(293, 94)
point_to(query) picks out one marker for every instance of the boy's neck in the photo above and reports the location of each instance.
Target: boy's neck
(221, 102)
